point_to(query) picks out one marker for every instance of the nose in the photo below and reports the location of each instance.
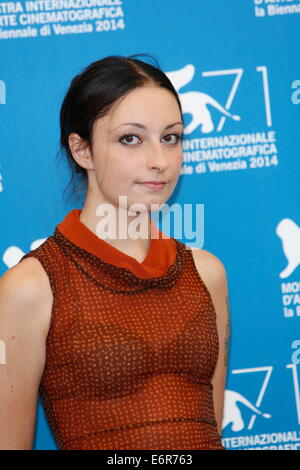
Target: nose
(156, 157)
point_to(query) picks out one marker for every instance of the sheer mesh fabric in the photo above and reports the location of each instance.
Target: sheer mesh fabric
(131, 348)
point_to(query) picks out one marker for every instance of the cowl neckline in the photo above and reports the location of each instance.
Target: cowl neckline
(161, 266)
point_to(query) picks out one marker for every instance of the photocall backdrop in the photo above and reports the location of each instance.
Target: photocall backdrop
(236, 66)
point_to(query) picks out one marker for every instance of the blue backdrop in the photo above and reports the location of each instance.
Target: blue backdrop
(236, 67)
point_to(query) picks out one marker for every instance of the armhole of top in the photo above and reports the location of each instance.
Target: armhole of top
(214, 319)
(45, 266)
(50, 275)
(202, 281)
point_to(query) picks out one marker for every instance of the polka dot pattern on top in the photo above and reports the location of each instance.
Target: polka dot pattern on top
(131, 348)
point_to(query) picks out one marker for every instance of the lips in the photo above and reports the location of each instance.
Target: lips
(153, 185)
(152, 182)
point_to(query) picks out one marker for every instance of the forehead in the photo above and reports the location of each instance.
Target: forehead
(148, 105)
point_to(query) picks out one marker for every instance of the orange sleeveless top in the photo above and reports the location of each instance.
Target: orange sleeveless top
(131, 347)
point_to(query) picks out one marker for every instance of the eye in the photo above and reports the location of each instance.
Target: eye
(129, 138)
(174, 141)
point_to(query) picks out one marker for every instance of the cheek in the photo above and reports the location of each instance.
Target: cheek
(125, 166)
(110, 165)
(176, 158)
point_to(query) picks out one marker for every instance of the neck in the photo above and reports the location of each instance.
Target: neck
(118, 228)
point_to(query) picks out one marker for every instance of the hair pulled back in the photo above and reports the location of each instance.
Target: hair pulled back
(91, 95)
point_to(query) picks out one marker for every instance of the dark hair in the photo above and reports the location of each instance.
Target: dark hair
(93, 92)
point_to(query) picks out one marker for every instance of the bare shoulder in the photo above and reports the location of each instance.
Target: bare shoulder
(30, 279)
(213, 274)
(26, 286)
(25, 310)
(210, 268)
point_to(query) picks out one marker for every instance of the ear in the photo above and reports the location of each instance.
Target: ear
(80, 151)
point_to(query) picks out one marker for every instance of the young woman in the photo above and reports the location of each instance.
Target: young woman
(124, 337)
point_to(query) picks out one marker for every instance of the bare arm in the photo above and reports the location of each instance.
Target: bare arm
(213, 274)
(24, 312)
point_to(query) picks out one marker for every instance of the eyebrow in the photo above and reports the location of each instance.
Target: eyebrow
(137, 124)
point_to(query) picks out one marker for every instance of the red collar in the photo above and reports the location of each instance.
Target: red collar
(161, 254)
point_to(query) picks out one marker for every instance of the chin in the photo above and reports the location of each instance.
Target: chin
(146, 201)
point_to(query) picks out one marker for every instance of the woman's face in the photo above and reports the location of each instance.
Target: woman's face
(151, 152)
